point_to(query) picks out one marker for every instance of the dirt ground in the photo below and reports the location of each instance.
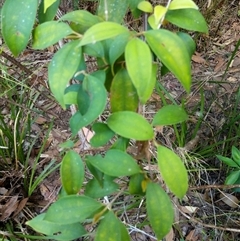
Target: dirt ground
(202, 215)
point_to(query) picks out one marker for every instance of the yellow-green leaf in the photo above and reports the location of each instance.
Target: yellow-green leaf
(169, 115)
(145, 6)
(152, 22)
(135, 184)
(49, 33)
(95, 190)
(112, 10)
(82, 18)
(47, 4)
(170, 49)
(123, 95)
(117, 47)
(72, 172)
(190, 19)
(102, 31)
(139, 65)
(116, 163)
(102, 134)
(56, 231)
(77, 208)
(62, 68)
(173, 171)
(189, 42)
(111, 229)
(159, 13)
(17, 19)
(159, 209)
(130, 125)
(179, 4)
(49, 14)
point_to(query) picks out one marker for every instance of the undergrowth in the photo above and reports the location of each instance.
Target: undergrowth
(199, 142)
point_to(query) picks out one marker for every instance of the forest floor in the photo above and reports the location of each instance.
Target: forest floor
(206, 212)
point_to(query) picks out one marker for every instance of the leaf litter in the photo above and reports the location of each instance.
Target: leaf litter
(209, 63)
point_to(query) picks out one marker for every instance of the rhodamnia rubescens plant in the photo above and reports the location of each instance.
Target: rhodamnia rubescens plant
(128, 63)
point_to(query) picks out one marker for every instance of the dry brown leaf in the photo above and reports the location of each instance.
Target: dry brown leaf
(170, 235)
(192, 236)
(40, 120)
(9, 208)
(236, 62)
(159, 129)
(198, 59)
(87, 133)
(45, 191)
(3, 190)
(188, 209)
(220, 64)
(20, 207)
(230, 200)
(143, 150)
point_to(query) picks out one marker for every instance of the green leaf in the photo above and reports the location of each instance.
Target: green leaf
(94, 50)
(83, 100)
(50, 13)
(111, 229)
(95, 190)
(102, 31)
(169, 115)
(67, 144)
(159, 209)
(190, 19)
(82, 18)
(100, 75)
(130, 125)
(159, 13)
(135, 184)
(96, 173)
(152, 22)
(236, 155)
(17, 19)
(43, 36)
(97, 101)
(62, 68)
(145, 6)
(173, 171)
(123, 95)
(70, 96)
(112, 10)
(117, 47)
(121, 144)
(169, 48)
(72, 172)
(232, 177)
(62, 232)
(228, 161)
(47, 4)
(178, 4)
(189, 42)
(102, 134)
(139, 65)
(116, 163)
(79, 75)
(133, 4)
(72, 209)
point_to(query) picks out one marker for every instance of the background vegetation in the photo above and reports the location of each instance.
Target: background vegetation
(33, 127)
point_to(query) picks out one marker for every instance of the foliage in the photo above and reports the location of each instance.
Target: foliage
(234, 164)
(16, 141)
(127, 67)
